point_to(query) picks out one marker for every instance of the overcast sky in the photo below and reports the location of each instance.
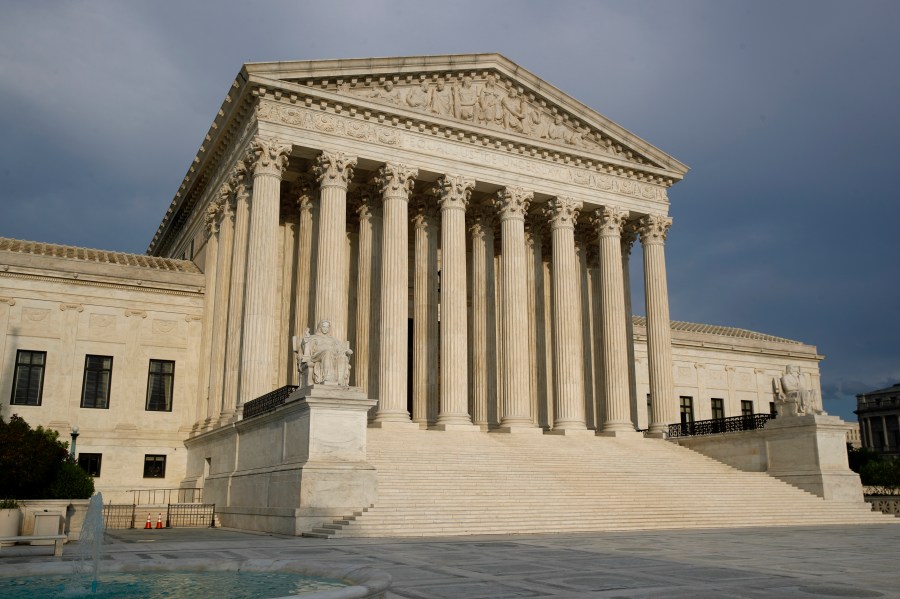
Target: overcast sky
(788, 114)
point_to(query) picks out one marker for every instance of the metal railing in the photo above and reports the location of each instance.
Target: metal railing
(191, 515)
(268, 402)
(178, 515)
(165, 496)
(715, 426)
(118, 516)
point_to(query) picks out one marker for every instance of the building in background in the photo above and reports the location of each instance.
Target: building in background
(466, 226)
(879, 420)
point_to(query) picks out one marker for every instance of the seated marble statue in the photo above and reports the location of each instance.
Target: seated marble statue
(322, 359)
(791, 391)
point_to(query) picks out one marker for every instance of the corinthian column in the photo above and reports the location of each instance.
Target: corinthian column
(210, 269)
(396, 182)
(629, 234)
(512, 203)
(568, 362)
(367, 289)
(659, 344)
(484, 325)
(616, 410)
(425, 313)
(304, 194)
(238, 183)
(268, 159)
(453, 192)
(220, 316)
(333, 171)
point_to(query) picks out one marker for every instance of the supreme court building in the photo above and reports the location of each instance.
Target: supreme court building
(467, 227)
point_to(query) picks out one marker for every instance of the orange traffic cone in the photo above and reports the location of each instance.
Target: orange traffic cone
(159, 520)
(148, 524)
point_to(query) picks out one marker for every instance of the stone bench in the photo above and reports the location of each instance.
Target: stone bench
(58, 541)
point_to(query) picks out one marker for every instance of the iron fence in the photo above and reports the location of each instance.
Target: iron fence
(118, 516)
(750, 422)
(191, 515)
(268, 402)
(166, 496)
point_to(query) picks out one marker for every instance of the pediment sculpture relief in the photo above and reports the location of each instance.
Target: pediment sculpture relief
(490, 103)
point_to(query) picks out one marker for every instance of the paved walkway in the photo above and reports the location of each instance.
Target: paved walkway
(752, 563)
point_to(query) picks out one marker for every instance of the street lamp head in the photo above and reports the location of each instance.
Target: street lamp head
(75, 430)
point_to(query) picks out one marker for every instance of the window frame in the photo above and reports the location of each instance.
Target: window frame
(108, 371)
(717, 404)
(164, 376)
(30, 365)
(690, 408)
(744, 412)
(88, 456)
(149, 460)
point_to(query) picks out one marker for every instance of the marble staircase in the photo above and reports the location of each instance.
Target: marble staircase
(460, 483)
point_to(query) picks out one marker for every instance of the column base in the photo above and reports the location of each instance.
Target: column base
(621, 434)
(518, 429)
(571, 432)
(406, 425)
(456, 426)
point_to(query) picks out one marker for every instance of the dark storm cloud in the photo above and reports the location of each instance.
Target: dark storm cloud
(786, 112)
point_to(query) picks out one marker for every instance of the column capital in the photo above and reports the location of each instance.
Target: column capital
(513, 202)
(365, 202)
(334, 169)
(654, 228)
(563, 212)
(396, 180)
(629, 235)
(482, 222)
(424, 211)
(237, 180)
(268, 156)
(609, 221)
(453, 191)
(302, 193)
(213, 213)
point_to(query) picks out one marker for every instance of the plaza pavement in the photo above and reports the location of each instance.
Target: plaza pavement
(796, 562)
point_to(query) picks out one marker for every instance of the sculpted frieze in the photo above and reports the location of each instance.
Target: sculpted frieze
(313, 119)
(491, 103)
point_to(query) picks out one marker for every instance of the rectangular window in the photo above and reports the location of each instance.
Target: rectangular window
(746, 407)
(90, 463)
(97, 380)
(772, 409)
(28, 379)
(154, 466)
(718, 408)
(159, 386)
(687, 409)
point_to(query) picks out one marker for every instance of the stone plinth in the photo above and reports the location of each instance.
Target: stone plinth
(292, 469)
(809, 452)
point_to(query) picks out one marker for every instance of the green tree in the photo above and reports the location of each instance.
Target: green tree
(33, 464)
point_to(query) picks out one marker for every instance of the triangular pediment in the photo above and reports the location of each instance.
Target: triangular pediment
(485, 93)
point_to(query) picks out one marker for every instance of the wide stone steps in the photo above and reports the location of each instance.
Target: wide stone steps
(454, 483)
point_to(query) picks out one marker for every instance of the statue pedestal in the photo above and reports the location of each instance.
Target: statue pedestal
(292, 469)
(810, 452)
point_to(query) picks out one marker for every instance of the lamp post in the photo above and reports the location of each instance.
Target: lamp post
(74, 435)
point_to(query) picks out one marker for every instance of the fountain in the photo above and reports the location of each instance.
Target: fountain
(155, 579)
(90, 544)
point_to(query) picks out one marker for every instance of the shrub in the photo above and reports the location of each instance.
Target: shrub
(881, 473)
(71, 482)
(30, 459)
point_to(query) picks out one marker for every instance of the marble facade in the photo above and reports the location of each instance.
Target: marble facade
(465, 226)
